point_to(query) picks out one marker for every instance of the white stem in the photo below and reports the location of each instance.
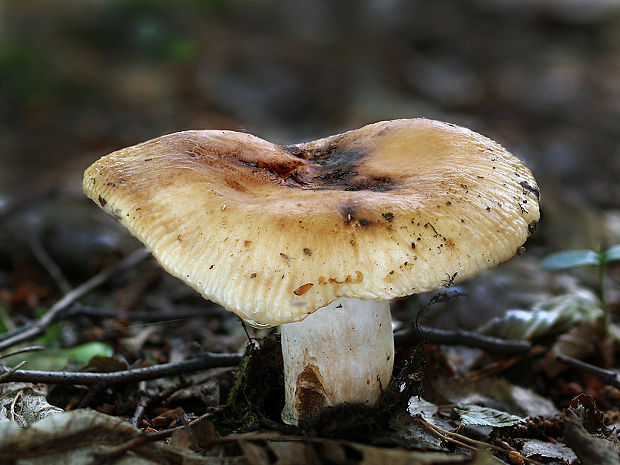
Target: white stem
(342, 353)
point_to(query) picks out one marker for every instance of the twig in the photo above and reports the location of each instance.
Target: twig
(208, 360)
(48, 263)
(143, 438)
(247, 334)
(496, 345)
(142, 404)
(8, 373)
(21, 351)
(442, 434)
(467, 442)
(19, 394)
(610, 377)
(29, 332)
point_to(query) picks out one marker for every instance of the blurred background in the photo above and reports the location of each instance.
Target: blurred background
(79, 79)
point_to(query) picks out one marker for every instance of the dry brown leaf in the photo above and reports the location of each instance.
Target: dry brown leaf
(584, 340)
(535, 448)
(24, 404)
(590, 449)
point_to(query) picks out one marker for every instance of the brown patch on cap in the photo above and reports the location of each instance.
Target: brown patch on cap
(221, 190)
(359, 277)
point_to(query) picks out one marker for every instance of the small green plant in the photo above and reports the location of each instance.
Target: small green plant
(575, 258)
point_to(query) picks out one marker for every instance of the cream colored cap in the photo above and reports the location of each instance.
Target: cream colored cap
(273, 233)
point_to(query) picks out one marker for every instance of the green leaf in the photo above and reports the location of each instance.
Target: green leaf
(472, 414)
(570, 259)
(57, 359)
(612, 254)
(84, 352)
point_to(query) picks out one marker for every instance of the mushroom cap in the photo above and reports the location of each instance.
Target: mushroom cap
(274, 233)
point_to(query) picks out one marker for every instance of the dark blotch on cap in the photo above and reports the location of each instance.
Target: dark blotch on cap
(338, 169)
(376, 184)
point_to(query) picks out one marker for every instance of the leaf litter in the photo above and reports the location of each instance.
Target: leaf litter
(466, 413)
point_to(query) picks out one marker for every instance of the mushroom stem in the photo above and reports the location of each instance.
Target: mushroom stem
(342, 353)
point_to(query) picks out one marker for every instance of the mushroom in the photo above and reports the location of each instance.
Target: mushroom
(318, 237)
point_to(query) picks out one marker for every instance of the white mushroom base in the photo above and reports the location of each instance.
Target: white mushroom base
(342, 353)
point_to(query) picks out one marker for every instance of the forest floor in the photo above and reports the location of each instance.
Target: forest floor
(108, 359)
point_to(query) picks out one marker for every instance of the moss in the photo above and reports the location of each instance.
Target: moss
(257, 391)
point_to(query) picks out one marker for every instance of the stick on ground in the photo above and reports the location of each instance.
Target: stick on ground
(610, 377)
(30, 332)
(205, 361)
(48, 263)
(417, 334)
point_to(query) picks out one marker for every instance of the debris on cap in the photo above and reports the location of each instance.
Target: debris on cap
(274, 232)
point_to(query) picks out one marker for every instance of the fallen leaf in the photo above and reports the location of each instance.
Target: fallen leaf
(52, 359)
(496, 393)
(471, 414)
(409, 432)
(24, 404)
(552, 316)
(74, 437)
(537, 449)
(590, 449)
(584, 340)
(419, 406)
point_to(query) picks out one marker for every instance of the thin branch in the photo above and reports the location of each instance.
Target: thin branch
(610, 377)
(468, 442)
(48, 263)
(245, 329)
(442, 434)
(415, 335)
(207, 360)
(142, 404)
(144, 438)
(7, 374)
(21, 351)
(30, 332)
